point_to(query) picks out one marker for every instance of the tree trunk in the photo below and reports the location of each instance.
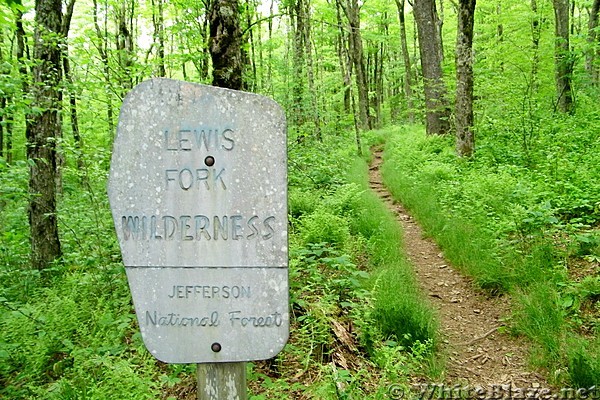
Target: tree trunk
(225, 44)
(563, 57)
(439, 22)
(102, 46)
(259, 63)
(408, 83)
(572, 29)
(250, 10)
(377, 82)
(352, 11)
(64, 62)
(73, 109)
(269, 82)
(42, 130)
(345, 62)
(124, 45)
(66, 25)
(203, 67)
(437, 111)
(465, 141)
(310, 69)
(22, 55)
(158, 20)
(535, 44)
(297, 80)
(593, 54)
(500, 32)
(356, 128)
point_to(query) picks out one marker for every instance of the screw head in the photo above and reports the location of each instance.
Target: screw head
(209, 161)
(216, 347)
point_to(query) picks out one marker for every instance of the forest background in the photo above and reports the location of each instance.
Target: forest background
(517, 209)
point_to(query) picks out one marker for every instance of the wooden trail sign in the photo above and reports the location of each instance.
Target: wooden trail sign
(198, 192)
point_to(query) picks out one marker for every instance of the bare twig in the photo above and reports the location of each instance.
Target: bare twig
(478, 338)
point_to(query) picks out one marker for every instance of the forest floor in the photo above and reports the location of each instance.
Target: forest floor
(477, 349)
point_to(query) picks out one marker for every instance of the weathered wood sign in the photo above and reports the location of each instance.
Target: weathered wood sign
(198, 195)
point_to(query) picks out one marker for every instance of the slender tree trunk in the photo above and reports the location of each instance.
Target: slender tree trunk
(563, 57)
(437, 113)
(270, 49)
(9, 143)
(250, 11)
(379, 82)
(345, 62)
(66, 21)
(356, 128)
(376, 86)
(408, 82)
(352, 11)
(22, 48)
(66, 25)
(161, 38)
(42, 130)
(124, 45)
(102, 46)
(359, 65)
(7, 98)
(439, 22)
(22, 54)
(72, 106)
(298, 85)
(415, 40)
(346, 67)
(500, 32)
(572, 28)
(225, 44)
(593, 54)
(465, 141)
(500, 26)
(64, 63)
(260, 62)
(158, 20)
(204, 65)
(310, 69)
(181, 39)
(535, 44)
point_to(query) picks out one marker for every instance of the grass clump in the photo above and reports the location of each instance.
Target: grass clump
(399, 312)
(524, 229)
(413, 169)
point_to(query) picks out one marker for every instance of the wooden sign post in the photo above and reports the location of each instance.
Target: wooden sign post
(198, 192)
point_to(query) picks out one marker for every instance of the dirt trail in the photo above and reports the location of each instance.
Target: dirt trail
(478, 353)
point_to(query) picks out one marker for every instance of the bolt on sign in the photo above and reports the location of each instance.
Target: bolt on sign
(198, 192)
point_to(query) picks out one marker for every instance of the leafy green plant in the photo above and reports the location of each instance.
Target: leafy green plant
(401, 315)
(583, 363)
(301, 202)
(324, 226)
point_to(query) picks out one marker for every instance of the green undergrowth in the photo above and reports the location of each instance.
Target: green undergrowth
(358, 324)
(346, 269)
(526, 226)
(69, 332)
